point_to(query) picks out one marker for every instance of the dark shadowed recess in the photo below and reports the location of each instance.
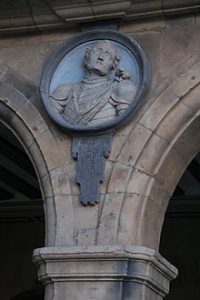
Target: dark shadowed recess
(180, 239)
(21, 221)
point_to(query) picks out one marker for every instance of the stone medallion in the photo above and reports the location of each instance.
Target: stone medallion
(93, 84)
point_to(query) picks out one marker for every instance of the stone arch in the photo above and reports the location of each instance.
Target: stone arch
(19, 113)
(183, 145)
(154, 157)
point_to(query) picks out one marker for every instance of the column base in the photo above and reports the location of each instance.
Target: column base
(103, 273)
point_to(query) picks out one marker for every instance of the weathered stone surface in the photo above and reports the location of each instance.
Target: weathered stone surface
(50, 221)
(147, 160)
(137, 181)
(119, 139)
(48, 145)
(172, 159)
(158, 194)
(148, 25)
(116, 272)
(85, 222)
(119, 178)
(152, 219)
(187, 81)
(59, 184)
(128, 219)
(158, 109)
(148, 39)
(192, 101)
(109, 218)
(38, 15)
(10, 97)
(151, 153)
(171, 124)
(31, 116)
(132, 149)
(191, 137)
(64, 220)
(107, 174)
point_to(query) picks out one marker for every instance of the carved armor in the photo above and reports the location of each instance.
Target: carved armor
(93, 101)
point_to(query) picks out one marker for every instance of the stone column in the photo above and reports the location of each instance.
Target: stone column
(103, 273)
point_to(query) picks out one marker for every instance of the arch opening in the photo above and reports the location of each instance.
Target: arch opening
(180, 242)
(21, 220)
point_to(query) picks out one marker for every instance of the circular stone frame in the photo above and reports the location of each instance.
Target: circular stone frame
(61, 52)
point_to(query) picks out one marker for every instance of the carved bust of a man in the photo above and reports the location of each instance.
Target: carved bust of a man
(104, 92)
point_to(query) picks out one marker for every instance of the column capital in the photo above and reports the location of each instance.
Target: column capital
(138, 267)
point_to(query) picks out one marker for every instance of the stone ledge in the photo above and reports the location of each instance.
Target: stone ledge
(105, 263)
(23, 16)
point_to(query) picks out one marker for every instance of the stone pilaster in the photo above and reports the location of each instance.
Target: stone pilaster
(103, 273)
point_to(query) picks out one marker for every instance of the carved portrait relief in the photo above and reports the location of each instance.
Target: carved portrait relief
(104, 92)
(95, 81)
(92, 85)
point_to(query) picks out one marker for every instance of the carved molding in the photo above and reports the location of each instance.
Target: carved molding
(140, 266)
(42, 15)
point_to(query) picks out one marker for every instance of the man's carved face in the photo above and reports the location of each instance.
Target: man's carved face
(101, 58)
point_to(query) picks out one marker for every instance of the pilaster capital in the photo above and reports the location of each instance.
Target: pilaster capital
(139, 265)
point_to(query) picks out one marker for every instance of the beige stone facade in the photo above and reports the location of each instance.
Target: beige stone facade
(109, 251)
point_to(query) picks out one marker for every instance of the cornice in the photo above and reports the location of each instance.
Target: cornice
(23, 16)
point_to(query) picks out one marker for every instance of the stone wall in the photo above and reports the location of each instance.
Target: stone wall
(148, 158)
